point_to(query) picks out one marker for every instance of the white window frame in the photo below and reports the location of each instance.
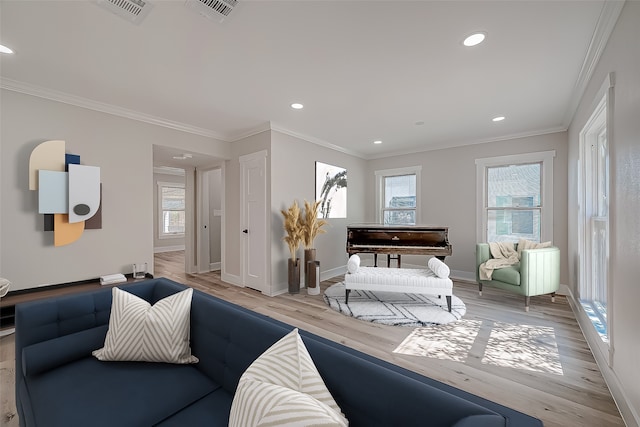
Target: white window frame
(546, 198)
(385, 173)
(161, 233)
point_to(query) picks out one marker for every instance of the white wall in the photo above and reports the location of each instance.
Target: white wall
(160, 245)
(622, 57)
(448, 192)
(293, 178)
(122, 148)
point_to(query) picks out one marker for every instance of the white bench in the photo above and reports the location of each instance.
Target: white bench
(403, 280)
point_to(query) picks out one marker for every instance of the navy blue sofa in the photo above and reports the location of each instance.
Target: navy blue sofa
(59, 383)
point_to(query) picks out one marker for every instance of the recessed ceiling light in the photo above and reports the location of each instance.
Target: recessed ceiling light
(419, 123)
(474, 39)
(377, 142)
(4, 49)
(297, 106)
(498, 119)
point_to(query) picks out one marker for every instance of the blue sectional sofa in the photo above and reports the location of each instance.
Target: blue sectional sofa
(59, 382)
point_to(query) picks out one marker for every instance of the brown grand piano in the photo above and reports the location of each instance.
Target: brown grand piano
(398, 240)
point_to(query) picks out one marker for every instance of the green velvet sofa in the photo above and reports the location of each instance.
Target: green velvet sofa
(537, 273)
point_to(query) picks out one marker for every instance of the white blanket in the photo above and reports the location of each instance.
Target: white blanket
(504, 255)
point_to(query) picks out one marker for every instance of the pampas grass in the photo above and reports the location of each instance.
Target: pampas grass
(292, 222)
(310, 224)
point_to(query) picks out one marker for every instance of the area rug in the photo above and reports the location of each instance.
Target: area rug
(396, 309)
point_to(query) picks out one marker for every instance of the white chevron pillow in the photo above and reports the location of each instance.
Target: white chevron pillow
(287, 364)
(257, 403)
(144, 333)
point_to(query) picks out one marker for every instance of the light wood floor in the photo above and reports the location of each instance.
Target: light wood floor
(536, 362)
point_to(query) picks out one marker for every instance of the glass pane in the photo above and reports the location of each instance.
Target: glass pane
(173, 198)
(506, 225)
(514, 186)
(400, 217)
(173, 222)
(400, 191)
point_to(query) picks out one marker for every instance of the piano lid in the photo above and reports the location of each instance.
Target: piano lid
(376, 226)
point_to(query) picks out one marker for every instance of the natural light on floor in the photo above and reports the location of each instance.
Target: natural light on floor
(509, 345)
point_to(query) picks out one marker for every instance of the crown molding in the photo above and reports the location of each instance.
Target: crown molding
(604, 27)
(250, 132)
(448, 145)
(313, 140)
(78, 101)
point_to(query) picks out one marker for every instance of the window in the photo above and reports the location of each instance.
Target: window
(594, 290)
(515, 197)
(171, 206)
(397, 196)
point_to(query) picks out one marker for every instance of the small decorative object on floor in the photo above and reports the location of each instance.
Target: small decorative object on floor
(310, 226)
(313, 278)
(140, 270)
(293, 239)
(112, 279)
(393, 308)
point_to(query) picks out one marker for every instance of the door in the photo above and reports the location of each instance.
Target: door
(254, 221)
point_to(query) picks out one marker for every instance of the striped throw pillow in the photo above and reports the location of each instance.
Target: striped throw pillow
(143, 333)
(257, 403)
(286, 364)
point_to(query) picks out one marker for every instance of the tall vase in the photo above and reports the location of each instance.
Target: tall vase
(309, 255)
(294, 276)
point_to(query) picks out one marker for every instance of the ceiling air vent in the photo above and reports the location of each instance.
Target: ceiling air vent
(131, 10)
(212, 9)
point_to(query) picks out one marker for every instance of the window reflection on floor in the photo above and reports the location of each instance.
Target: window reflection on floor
(516, 346)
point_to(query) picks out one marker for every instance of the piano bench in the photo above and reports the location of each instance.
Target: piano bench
(402, 280)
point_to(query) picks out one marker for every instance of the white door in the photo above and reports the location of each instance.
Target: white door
(254, 221)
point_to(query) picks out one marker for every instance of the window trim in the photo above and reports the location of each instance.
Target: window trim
(546, 199)
(382, 174)
(161, 233)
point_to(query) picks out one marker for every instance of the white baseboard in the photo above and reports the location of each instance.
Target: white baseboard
(174, 248)
(463, 276)
(215, 266)
(629, 414)
(231, 278)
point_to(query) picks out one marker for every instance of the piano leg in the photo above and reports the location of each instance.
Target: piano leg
(389, 258)
(449, 303)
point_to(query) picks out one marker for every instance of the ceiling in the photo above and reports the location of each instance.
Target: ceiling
(393, 71)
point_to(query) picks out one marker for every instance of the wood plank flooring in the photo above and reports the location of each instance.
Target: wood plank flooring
(536, 362)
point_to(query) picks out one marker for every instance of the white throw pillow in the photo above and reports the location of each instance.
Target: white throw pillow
(145, 333)
(287, 364)
(353, 264)
(439, 268)
(258, 403)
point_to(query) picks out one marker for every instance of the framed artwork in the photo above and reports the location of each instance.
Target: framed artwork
(331, 190)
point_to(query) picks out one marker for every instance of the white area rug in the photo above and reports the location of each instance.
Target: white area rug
(395, 309)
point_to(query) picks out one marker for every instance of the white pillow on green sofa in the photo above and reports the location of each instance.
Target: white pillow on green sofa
(285, 364)
(139, 332)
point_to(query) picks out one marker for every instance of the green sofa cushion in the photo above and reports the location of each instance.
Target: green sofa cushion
(509, 274)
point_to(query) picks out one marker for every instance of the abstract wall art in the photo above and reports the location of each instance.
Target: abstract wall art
(69, 193)
(331, 190)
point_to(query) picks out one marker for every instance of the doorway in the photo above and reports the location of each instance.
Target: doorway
(169, 160)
